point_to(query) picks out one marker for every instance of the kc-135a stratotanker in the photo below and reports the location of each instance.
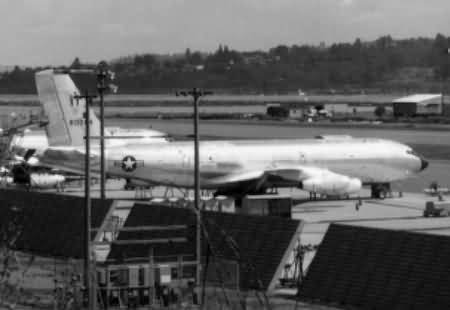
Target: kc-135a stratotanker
(326, 165)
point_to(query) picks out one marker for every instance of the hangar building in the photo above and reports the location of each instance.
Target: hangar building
(418, 104)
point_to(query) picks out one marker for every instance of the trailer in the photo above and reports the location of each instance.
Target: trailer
(437, 208)
(269, 205)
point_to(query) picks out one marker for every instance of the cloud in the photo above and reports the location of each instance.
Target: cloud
(346, 2)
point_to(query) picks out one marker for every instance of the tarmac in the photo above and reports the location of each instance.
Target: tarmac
(398, 213)
(401, 212)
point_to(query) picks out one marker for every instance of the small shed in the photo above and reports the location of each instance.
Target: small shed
(277, 110)
(271, 205)
(418, 104)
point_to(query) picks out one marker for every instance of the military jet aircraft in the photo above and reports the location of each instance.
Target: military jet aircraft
(324, 165)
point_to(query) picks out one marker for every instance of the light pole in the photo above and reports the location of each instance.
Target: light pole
(196, 93)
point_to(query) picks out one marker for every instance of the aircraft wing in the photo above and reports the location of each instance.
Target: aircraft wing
(288, 173)
(238, 177)
(68, 160)
(309, 178)
(299, 173)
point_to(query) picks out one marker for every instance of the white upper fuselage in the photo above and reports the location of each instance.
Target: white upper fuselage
(370, 160)
(37, 139)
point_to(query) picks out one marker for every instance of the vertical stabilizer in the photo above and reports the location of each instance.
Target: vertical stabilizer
(65, 113)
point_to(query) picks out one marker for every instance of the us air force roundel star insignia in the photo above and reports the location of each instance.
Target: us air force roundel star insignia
(129, 163)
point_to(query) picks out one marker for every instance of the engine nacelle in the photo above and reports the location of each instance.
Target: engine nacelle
(336, 185)
(46, 180)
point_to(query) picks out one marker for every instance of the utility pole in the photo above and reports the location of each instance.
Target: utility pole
(196, 93)
(447, 53)
(90, 287)
(104, 77)
(101, 86)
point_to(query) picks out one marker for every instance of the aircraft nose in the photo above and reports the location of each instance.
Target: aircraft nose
(423, 164)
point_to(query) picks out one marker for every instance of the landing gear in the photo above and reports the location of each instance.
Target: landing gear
(380, 190)
(313, 196)
(128, 185)
(358, 204)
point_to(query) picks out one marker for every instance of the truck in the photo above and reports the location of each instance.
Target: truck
(437, 208)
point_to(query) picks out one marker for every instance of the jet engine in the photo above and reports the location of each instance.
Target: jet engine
(21, 174)
(46, 180)
(336, 185)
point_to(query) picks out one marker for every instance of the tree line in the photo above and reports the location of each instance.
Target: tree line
(383, 65)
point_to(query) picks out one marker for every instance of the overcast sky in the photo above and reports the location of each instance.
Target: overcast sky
(53, 32)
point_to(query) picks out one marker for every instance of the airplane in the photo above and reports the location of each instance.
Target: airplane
(325, 165)
(21, 147)
(318, 112)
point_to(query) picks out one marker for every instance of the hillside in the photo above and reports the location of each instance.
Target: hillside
(385, 65)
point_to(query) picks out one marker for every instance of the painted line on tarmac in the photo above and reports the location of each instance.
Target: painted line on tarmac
(309, 212)
(314, 232)
(321, 206)
(432, 228)
(393, 205)
(374, 219)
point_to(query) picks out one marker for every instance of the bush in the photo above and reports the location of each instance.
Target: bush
(380, 111)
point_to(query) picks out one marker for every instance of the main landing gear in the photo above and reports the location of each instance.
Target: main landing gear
(380, 190)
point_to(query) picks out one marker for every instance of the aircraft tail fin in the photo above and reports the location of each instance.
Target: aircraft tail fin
(65, 113)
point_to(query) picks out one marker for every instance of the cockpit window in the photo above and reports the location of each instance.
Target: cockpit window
(411, 152)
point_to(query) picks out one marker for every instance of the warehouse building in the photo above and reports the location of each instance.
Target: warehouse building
(143, 249)
(359, 267)
(286, 110)
(419, 104)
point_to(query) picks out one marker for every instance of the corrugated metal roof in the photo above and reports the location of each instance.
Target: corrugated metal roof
(371, 268)
(257, 243)
(49, 225)
(417, 98)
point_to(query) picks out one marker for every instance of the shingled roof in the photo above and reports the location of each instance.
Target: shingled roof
(257, 243)
(51, 225)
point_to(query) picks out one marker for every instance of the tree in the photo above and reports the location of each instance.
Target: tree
(187, 55)
(76, 64)
(440, 56)
(380, 111)
(196, 58)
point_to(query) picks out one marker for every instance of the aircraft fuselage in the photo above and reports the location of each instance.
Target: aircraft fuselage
(370, 160)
